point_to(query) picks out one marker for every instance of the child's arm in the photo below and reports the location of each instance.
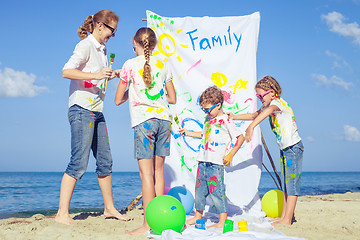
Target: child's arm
(188, 133)
(246, 116)
(264, 114)
(228, 158)
(121, 94)
(170, 92)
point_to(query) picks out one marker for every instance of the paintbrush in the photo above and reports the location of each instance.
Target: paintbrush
(112, 59)
(178, 123)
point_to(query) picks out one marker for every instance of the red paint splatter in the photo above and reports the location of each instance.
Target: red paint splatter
(228, 97)
(88, 84)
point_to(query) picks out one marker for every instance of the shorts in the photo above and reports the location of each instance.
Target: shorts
(291, 159)
(88, 131)
(210, 181)
(152, 137)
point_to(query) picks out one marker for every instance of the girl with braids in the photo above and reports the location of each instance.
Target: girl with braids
(150, 91)
(282, 123)
(88, 70)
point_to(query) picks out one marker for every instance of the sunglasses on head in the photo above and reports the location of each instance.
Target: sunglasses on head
(261, 96)
(208, 110)
(113, 30)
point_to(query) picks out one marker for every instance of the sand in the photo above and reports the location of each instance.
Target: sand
(335, 216)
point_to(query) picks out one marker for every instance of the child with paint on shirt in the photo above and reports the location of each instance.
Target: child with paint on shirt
(282, 123)
(150, 91)
(215, 152)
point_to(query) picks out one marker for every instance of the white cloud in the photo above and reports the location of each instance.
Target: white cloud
(351, 133)
(18, 84)
(322, 80)
(339, 61)
(336, 24)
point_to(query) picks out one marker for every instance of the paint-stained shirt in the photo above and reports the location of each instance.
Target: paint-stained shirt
(218, 135)
(89, 56)
(283, 124)
(146, 103)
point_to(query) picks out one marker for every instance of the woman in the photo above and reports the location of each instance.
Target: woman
(89, 72)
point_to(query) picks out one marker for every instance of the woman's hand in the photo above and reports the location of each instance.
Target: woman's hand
(104, 73)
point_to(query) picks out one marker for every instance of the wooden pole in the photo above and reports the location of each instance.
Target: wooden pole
(134, 202)
(271, 161)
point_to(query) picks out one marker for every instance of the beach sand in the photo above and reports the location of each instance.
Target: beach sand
(335, 216)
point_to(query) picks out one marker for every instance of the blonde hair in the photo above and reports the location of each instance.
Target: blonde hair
(90, 22)
(269, 83)
(146, 38)
(211, 95)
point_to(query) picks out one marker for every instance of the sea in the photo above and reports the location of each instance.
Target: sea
(23, 194)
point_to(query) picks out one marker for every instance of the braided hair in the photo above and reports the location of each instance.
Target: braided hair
(268, 83)
(104, 15)
(146, 38)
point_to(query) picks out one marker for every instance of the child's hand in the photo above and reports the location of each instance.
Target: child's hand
(117, 73)
(230, 115)
(228, 159)
(249, 133)
(183, 131)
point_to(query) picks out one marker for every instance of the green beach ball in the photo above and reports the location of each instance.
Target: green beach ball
(165, 212)
(272, 203)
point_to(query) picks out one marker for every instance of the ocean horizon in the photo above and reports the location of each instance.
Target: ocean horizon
(23, 194)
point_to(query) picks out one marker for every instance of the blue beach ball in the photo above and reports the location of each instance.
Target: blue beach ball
(184, 196)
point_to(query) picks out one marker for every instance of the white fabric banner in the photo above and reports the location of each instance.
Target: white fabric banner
(206, 51)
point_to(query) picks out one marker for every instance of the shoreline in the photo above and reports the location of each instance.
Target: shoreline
(333, 216)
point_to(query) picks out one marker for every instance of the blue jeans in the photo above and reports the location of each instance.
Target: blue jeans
(152, 137)
(88, 131)
(210, 181)
(291, 159)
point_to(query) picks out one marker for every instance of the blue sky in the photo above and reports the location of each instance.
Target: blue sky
(311, 47)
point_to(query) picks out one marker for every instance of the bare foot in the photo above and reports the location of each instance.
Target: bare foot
(140, 230)
(192, 221)
(281, 222)
(217, 225)
(275, 220)
(115, 214)
(64, 219)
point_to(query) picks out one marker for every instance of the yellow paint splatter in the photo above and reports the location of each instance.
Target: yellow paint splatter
(150, 109)
(239, 84)
(141, 71)
(161, 24)
(90, 124)
(161, 47)
(159, 64)
(179, 58)
(155, 53)
(178, 31)
(184, 46)
(159, 110)
(219, 79)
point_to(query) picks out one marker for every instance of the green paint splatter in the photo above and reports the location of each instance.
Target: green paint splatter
(184, 164)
